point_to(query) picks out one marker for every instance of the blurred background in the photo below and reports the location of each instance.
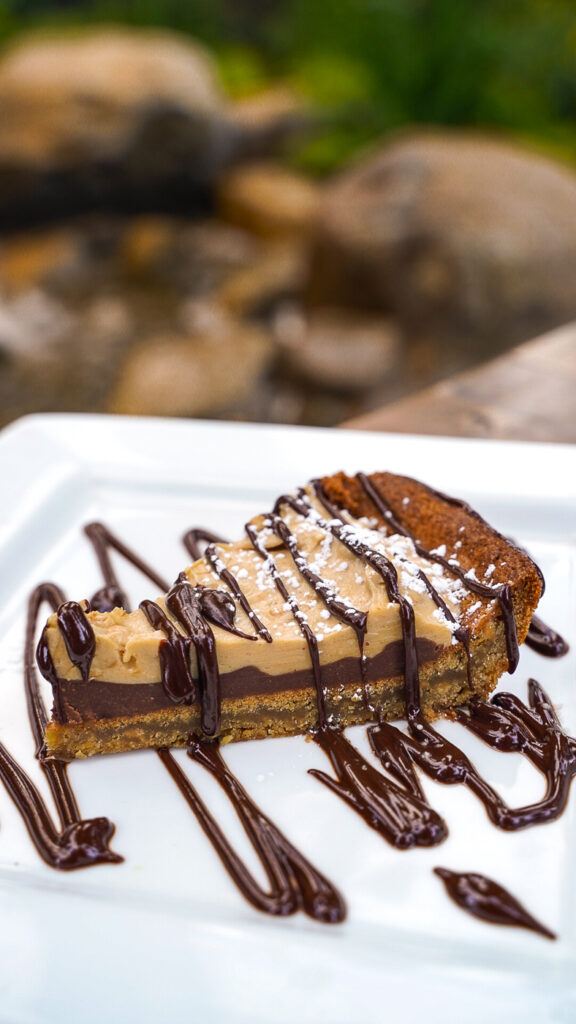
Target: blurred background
(278, 210)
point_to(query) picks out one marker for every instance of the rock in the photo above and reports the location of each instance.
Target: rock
(267, 199)
(38, 259)
(108, 114)
(55, 358)
(73, 301)
(467, 240)
(146, 246)
(190, 256)
(338, 349)
(205, 252)
(269, 119)
(275, 274)
(197, 372)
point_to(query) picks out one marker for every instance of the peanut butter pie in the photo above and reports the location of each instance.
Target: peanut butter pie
(356, 599)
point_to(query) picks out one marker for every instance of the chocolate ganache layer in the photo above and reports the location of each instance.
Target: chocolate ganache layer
(89, 700)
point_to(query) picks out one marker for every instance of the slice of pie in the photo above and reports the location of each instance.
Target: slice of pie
(357, 597)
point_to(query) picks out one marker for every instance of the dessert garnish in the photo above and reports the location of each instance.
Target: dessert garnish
(484, 898)
(75, 842)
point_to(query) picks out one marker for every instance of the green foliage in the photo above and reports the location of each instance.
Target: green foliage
(243, 70)
(446, 62)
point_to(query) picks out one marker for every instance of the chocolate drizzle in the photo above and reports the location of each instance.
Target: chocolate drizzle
(78, 636)
(484, 898)
(402, 816)
(112, 595)
(501, 592)
(174, 654)
(545, 640)
(78, 842)
(294, 883)
(505, 724)
(387, 572)
(194, 541)
(343, 612)
(390, 798)
(186, 606)
(299, 617)
(541, 637)
(191, 542)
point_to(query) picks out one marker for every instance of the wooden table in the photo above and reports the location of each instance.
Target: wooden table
(529, 394)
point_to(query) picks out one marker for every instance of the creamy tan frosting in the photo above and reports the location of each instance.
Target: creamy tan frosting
(127, 645)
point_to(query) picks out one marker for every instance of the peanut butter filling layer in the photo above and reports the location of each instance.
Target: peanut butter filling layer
(127, 646)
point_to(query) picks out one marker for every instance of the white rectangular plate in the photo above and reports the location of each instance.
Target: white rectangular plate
(166, 933)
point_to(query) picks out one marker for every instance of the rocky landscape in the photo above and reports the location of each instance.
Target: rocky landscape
(160, 255)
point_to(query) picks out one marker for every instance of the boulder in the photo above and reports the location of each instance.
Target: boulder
(55, 358)
(468, 241)
(38, 259)
(271, 118)
(338, 350)
(267, 199)
(212, 362)
(77, 301)
(183, 255)
(108, 115)
(274, 275)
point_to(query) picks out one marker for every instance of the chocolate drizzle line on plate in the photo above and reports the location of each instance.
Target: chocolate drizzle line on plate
(112, 595)
(545, 640)
(402, 816)
(294, 883)
(482, 897)
(504, 724)
(78, 842)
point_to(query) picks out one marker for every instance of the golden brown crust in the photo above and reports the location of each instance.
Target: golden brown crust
(435, 519)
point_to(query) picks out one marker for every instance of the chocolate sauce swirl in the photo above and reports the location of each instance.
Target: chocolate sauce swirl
(389, 799)
(505, 724)
(402, 816)
(536, 733)
(197, 538)
(78, 842)
(545, 640)
(295, 884)
(112, 595)
(483, 898)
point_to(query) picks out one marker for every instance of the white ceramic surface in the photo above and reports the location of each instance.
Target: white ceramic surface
(166, 934)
